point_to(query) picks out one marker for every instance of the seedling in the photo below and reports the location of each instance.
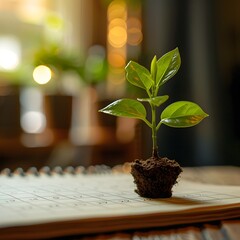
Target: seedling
(181, 114)
(156, 176)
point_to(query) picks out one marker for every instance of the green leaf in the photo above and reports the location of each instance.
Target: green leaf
(156, 101)
(154, 68)
(126, 108)
(167, 66)
(182, 114)
(138, 75)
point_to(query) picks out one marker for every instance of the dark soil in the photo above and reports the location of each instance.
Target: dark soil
(155, 177)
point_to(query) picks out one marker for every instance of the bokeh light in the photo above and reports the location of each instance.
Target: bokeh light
(33, 122)
(117, 32)
(117, 9)
(135, 35)
(117, 59)
(117, 45)
(42, 74)
(117, 36)
(10, 53)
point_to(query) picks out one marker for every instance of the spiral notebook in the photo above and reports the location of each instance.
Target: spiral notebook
(44, 204)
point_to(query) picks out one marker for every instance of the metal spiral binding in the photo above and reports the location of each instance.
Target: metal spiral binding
(97, 169)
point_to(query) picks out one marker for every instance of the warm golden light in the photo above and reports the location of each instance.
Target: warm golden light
(117, 22)
(117, 9)
(42, 74)
(134, 22)
(116, 59)
(134, 36)
(134, 31)
(117, 36)
(124, 29)
(117, 32)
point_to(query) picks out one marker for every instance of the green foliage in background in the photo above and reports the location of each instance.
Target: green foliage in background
(92, 69)
(54, 57)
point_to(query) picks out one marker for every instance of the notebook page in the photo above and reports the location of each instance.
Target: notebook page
(33, 200)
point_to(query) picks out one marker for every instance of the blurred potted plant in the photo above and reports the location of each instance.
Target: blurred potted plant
(10, 84)
(91, 71)
(59, 61)
(58, 102)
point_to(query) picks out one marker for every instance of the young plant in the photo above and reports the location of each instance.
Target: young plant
(179, 114)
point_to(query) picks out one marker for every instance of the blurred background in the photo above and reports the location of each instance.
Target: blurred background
(61, 61)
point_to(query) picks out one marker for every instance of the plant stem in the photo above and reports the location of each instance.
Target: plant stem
(154, 132)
